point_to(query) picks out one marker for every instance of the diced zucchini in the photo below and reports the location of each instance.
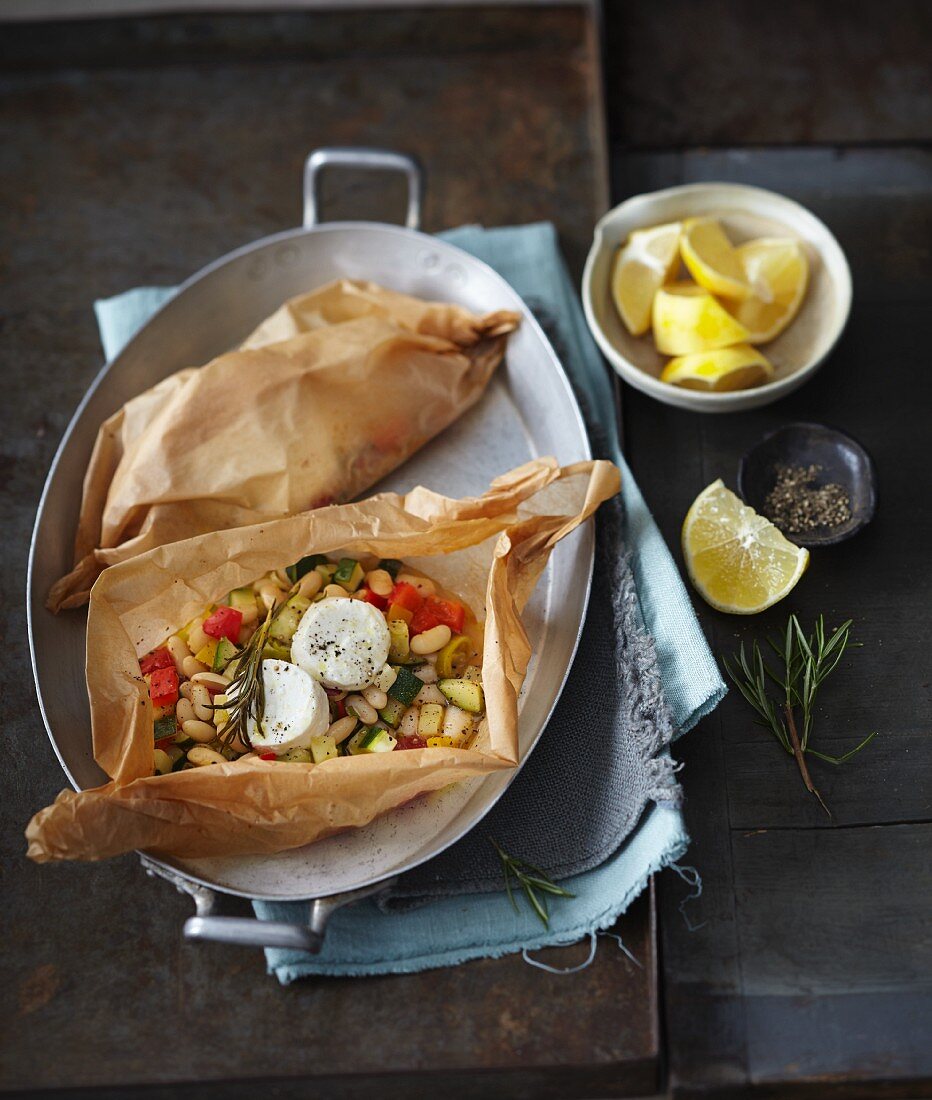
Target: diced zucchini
(349, 574)
(305, 565)
(326, 570)
(370, 739)
(296, 756)
(165, 727)
(242, 599)
(406, 686)
(401, 645)
(392, 566)
(226, 651)
(207, 654)
(473, 674)
(463, 694)
(323, 748)
(286, 620)
(430, 720)
(276, 651)
(392, 712)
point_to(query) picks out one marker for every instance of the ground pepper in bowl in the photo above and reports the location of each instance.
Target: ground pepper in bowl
(797, 503)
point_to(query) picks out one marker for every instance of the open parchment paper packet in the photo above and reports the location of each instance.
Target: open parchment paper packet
(327, 396)
(489, 550)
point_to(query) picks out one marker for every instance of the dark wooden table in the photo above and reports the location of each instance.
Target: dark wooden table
(133, 153)
(811, 973)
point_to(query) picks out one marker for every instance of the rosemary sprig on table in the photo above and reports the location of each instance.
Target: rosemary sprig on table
(530, 879)
(807, 662)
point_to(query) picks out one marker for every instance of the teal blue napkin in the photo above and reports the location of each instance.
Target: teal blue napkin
(363, 939)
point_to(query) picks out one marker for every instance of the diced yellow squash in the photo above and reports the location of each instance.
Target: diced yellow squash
(430, 720)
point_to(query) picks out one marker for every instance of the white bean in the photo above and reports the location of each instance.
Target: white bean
(211, 678)
(269, 594)
(335, 592)
(431, 640)
(179, 650)
(430, 693)
(363, 711)
(250, 613)
(380, 581)
(456, 722)
(201, 755)
(310, 584)
(342, 728)
(200, 700)
(186, 690)
(202, 732)
(162, 762)
(424, 586)
(407, 727)
(184, 711)
(191, 667)
(375, 697)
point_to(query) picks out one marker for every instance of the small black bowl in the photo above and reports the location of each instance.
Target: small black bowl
(842, 460)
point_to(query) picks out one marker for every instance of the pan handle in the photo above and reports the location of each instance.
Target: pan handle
(249, 932)
(366, 160)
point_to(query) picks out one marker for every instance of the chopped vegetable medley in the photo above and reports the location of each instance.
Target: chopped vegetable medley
(322, 659)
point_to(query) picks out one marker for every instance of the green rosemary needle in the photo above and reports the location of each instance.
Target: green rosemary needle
(806, 662)
(531, 879)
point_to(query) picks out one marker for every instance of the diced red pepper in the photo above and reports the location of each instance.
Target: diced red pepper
(158, 658)
(163, 686)
(166, 743)
(225, 622)
(405, 595)
(412, 741)
(367, 595)
(267, 756)
(339, 705)
(434, 612)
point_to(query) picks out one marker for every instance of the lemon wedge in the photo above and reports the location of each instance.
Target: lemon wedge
(643, 264)
(737, 560)
(711, 258)
(735, 368)
(777, 270)
(687, 319)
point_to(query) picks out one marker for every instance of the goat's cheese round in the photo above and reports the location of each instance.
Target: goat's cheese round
(343, 643)
(296, 709)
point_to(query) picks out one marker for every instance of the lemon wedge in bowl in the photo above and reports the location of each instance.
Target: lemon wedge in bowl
(777, 271)
(719, 371)
(687, 318)
(737, 560)
(712, 259)
(644, 263)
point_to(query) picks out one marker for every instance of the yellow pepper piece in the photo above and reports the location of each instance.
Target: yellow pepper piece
(208, 653)
(440, 742)
(457, 646)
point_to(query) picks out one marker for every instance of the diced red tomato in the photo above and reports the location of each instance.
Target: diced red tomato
(405, 595)
(166, 743)
(434, 612)
(158, 658)
(267, 756)
(412, 741)
(339, 705)
(366, 594)
(225, 622)
(163, 686)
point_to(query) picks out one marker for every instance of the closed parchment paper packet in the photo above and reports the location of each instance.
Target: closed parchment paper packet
(327, 396)
(489, 550)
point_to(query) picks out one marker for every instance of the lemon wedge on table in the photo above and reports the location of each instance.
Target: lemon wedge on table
(719, 371)
(643, 264)
(687, 318)
(737, 560)
(777, 271)
(711, 258)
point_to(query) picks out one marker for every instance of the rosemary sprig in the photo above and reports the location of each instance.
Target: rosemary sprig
(806, 663)
(530, 879)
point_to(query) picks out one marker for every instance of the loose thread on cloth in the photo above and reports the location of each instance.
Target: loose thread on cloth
(692, 878)
(587, 962)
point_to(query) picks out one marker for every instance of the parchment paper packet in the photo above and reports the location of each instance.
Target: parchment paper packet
(489, 550)
(327, 396)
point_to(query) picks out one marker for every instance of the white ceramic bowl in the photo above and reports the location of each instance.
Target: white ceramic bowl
(745, 212)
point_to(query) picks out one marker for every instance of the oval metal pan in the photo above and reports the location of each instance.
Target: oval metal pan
(528, 410)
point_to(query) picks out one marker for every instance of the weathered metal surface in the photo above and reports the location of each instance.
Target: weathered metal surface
(134, 153)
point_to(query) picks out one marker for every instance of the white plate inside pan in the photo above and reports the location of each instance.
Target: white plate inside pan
(529, 410)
